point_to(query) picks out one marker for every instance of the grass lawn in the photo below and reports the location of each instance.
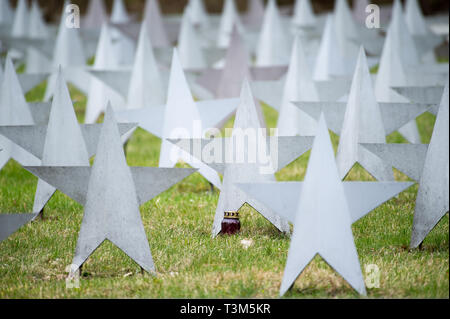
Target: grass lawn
(190, 264)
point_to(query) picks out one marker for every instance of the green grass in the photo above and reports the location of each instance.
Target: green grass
(190, 264)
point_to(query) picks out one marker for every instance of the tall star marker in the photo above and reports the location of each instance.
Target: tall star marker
(60, 142)
(323, 210)
(179, 115)
(111, 193)
(430, 166)
(248, 170)
(363, 120)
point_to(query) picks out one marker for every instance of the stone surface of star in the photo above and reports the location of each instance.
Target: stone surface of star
(427, 164)
(14, 110)
(248, 170)
(323, 210)
(179, 117)
(10, 223)
(111, 193)
(363, 120)
(60, 142)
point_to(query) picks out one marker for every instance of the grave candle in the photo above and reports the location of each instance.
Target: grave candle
(231, 224)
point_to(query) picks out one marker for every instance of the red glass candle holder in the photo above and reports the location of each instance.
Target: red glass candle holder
(231, 224)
